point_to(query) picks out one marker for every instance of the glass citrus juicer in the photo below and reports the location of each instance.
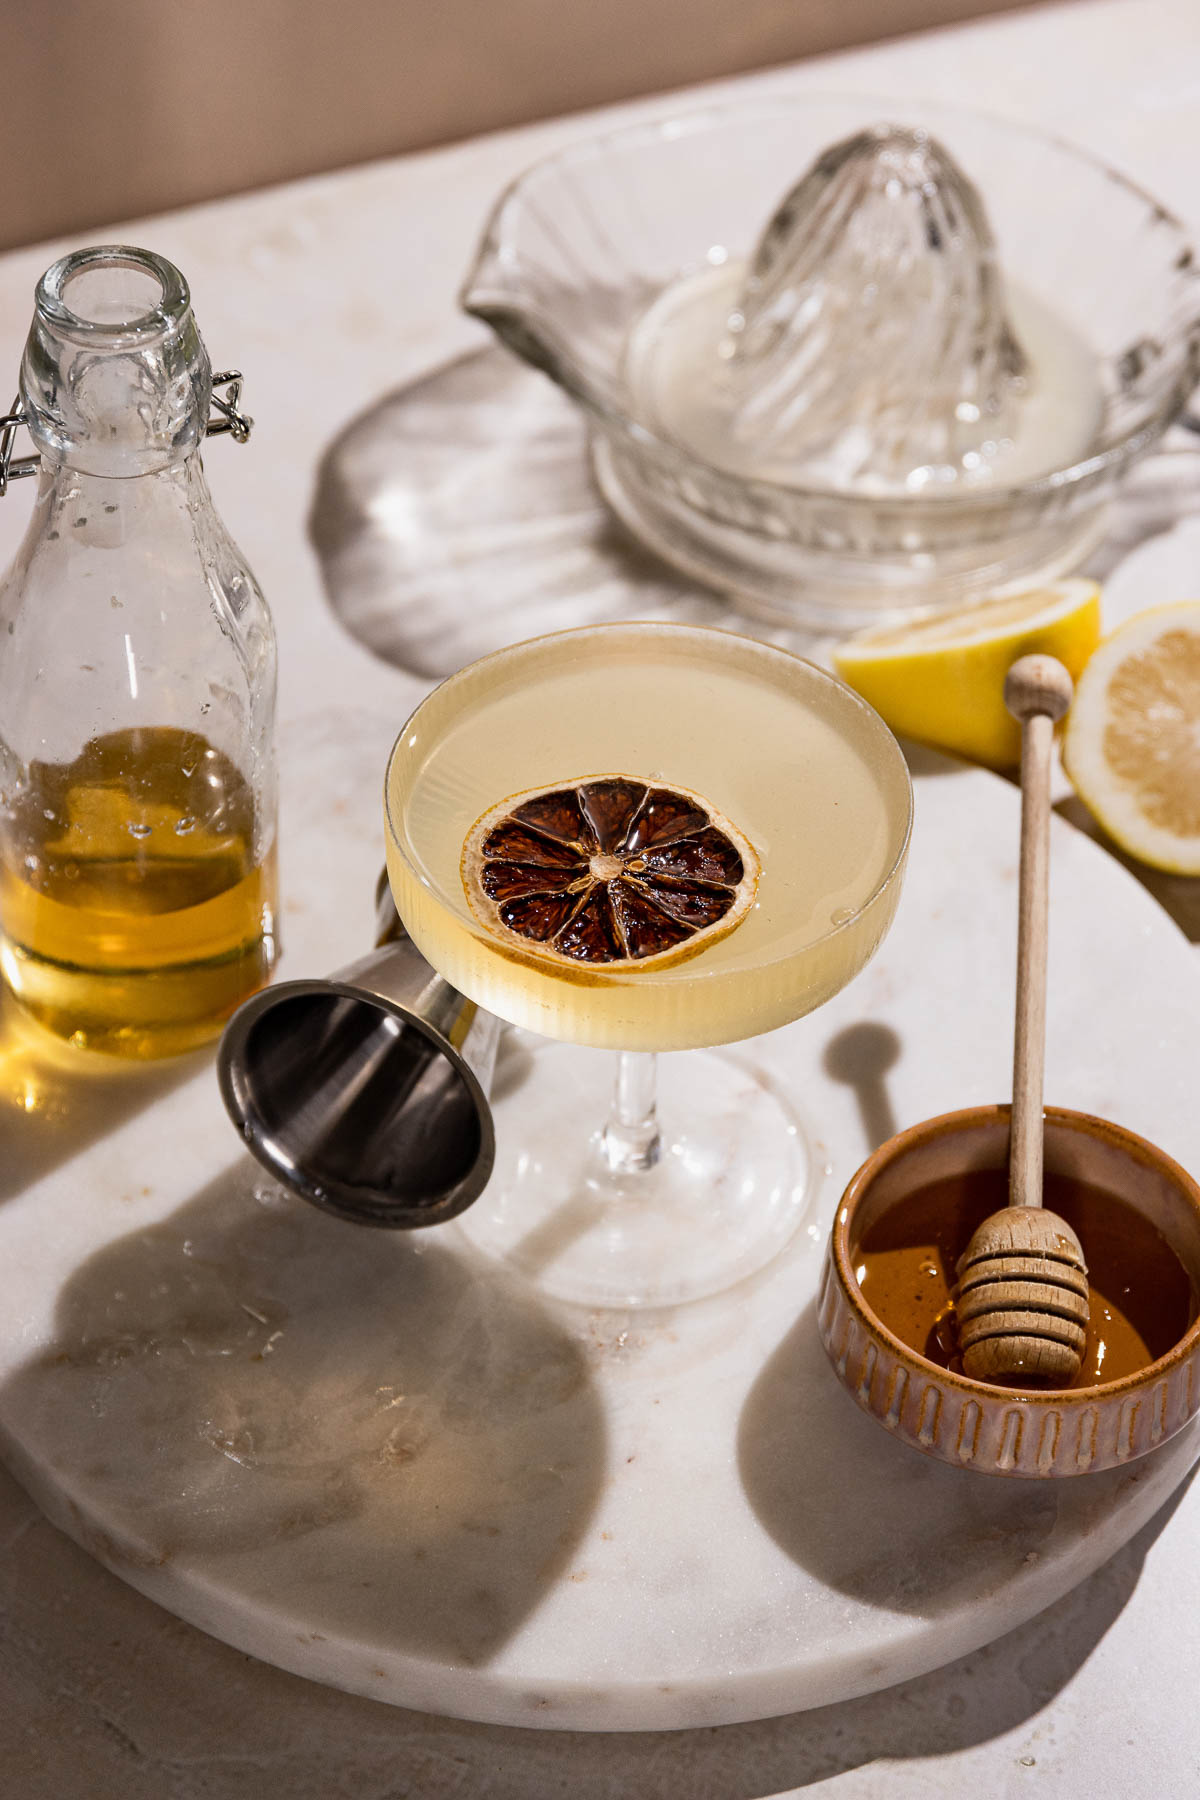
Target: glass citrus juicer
(845, 359)
(641, 838)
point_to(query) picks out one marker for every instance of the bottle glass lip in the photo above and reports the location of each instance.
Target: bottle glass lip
(113, 293)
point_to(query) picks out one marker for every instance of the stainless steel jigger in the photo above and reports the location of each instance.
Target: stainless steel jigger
(366, 1093)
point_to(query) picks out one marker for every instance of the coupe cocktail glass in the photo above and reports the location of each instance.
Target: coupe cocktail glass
(625, 1212)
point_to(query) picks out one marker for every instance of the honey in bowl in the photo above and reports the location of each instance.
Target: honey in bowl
(1140, 1296)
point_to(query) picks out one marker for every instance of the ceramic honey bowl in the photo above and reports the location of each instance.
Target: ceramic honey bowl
(885, 1309)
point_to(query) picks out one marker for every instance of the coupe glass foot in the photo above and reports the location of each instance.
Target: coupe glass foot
(722, 1196)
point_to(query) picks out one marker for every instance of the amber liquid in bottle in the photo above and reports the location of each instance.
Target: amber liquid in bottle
(136, 915)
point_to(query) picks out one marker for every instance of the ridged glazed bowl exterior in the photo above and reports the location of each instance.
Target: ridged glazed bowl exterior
(999, 1430)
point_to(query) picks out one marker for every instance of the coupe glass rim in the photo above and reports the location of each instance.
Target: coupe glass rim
(637, 627)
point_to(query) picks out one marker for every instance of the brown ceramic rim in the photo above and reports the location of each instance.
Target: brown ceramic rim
(950, 1124)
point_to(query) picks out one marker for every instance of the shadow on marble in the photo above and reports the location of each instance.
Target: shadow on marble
(515, 1065)
(458, 514)
(962, 1533)
(860, 1057)
(357, 1431)
(1156, 496)
(924, 761)
(1178, 895)
(55, 1101)
(113, 1698)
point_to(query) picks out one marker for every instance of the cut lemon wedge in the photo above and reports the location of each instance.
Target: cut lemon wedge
(1132, 746)
(941, 680)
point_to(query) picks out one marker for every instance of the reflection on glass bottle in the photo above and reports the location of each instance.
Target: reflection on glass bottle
(137, 676)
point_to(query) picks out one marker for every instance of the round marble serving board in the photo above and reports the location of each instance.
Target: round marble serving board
(380, 1461)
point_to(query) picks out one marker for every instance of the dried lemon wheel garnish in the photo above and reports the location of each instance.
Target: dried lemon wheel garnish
(608, 871)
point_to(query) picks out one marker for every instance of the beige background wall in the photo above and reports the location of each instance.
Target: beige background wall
(118, 107)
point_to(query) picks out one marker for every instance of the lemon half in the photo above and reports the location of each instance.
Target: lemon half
(1132, 745)
(941, 679)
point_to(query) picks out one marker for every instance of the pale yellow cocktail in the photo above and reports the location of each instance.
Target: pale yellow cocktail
(804, 771)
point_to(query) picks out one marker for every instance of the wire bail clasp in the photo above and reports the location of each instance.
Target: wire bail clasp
(228, 418)
(24, 465)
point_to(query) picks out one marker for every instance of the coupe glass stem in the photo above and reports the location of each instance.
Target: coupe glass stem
(630, 1142)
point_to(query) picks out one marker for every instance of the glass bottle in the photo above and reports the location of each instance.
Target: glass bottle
(137, 681)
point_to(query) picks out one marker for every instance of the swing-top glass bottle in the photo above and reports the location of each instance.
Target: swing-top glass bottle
(137, 680)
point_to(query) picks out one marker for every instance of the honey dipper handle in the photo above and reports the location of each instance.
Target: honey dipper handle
(1037, 691)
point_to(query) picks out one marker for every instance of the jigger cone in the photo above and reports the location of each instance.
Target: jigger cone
(366, 1093)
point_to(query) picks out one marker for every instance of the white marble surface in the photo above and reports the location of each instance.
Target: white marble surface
(331, 294)
(376, 1461)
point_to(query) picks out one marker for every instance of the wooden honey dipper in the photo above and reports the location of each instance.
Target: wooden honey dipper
(1022, 1292)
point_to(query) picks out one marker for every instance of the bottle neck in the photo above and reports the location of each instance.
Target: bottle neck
(77, 512)
(115, 380)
